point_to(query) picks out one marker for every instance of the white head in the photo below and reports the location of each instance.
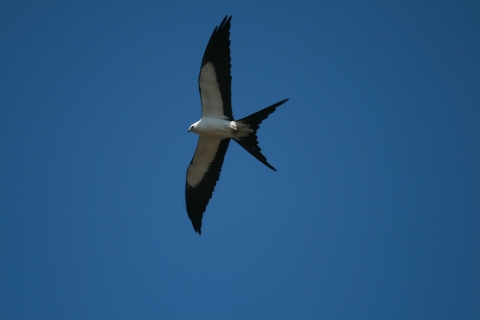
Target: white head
(193, 127)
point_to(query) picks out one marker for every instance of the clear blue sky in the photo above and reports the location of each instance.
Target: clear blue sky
(374, 212)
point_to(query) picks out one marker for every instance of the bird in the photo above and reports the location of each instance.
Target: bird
(217, 126)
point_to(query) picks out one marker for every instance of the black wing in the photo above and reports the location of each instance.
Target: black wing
(211, 80)
(202, 176)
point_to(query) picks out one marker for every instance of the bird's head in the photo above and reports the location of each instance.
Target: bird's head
(193, 127)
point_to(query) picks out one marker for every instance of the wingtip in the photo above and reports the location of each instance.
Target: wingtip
(198, 229)
(225, 21)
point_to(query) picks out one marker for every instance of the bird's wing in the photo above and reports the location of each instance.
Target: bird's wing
(202, 176)
(215, 79)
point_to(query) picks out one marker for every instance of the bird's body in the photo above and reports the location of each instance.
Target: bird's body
(217, 127)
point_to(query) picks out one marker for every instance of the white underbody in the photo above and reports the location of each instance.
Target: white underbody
(219, 128)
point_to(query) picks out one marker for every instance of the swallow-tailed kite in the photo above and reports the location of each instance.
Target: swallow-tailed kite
(217, 127)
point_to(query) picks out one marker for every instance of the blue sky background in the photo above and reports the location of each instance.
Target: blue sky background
(374, 212)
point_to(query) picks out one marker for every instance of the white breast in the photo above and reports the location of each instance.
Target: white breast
(208, 127)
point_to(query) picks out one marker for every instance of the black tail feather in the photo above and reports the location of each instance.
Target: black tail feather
(250, 143)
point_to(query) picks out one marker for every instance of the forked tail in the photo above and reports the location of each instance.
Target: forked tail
(250, 142)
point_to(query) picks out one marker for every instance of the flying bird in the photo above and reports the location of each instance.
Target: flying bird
(217, 127)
